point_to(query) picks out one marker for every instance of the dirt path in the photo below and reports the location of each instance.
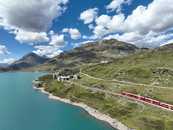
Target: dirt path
(119, 95)
(125, 82)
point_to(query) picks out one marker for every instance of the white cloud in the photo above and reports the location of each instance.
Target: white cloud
(33, 15)
(49, 51)
(3, 50)
(89, 15)
(116, 23)
(91, 26)
(116, 5)
(3, 53)
(51, 32)
(30, 20)
(100, 31)
(30, 37)
(89, 38)
(167, 42)
(126, 37)
(7, 61)
(151, 39)
(65, 30)
(74, 33)
(82, 43)
(157, 17)
(106, 24)
(63, 2)
(103, 20)
(57, 40)
(54, 48)
(146, 26)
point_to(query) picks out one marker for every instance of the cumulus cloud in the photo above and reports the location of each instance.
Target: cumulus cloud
(126, 37)
(30, 20)
(146, 26)
(106, 24)
(83, 42)
(3, 50)
(100, 31)
(90, 37)
(74, 33)
(53, 48)
(30, 37)
(167, 42)
(33, 15)
(7, 61)
(89, 15)
(91, 26)
(150, 40)
(157, 17)
(57, 40)
(116, 5)
(4, 53)
(103, 20)
(49, 51)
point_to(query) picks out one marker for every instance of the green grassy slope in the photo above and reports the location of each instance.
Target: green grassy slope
(150, 67)
(134, 115)
(148, 73)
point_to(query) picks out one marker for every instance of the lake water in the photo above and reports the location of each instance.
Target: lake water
(23, 108)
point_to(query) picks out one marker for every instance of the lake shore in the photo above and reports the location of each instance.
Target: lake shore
(93, 112)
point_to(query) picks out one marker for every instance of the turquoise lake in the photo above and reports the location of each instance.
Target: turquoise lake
(23, 108)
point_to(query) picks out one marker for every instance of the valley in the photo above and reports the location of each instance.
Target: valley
(146, 72)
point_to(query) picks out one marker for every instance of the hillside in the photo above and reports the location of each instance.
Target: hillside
(150, 67)
(25, 62)
(96, 52)
(148, 73)
(3, 65)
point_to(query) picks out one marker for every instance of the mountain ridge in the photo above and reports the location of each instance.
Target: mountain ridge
(28, 60)
(92, 52)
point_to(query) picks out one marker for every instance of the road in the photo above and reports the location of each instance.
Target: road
(125, 82)
(119, 95)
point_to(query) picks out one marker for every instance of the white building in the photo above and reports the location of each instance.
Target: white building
(59, 77)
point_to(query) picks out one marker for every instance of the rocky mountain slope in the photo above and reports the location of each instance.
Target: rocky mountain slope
(3, 65)
(26, 61)
(96, 52)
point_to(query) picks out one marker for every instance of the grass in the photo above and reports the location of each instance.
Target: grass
(138, 116)
(151, 68)
(139, 68)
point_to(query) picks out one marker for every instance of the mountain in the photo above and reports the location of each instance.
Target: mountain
(153, 66)
(168, 47)
(95, 52)
(3, 65)
(27, 61)
(104, 51)
(145, 72)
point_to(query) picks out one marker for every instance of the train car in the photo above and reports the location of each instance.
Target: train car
(123, 93)
(164, 105)
(148, 100)
(130, 95)
(171, 107)
(142, 98)
(155, 102)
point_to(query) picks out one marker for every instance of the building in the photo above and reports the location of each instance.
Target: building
(65, 75)
(104, 62)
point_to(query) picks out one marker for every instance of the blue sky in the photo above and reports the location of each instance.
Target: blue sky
(48, 27)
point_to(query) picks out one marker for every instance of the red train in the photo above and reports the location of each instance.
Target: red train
(148, 100)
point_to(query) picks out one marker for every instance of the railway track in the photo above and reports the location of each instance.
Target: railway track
(132, 97)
